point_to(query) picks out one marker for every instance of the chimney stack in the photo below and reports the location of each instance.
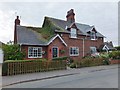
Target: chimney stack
(70, 16)
(17, 22)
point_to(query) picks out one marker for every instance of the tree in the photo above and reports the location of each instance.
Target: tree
(13, 52)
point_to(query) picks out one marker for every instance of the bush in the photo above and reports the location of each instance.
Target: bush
(13, 52)
(106, 62)
(104, 55)
(72, 65)
(114, 54)
(60, 58)
(118, 48)
(40, 60)
(87, 62)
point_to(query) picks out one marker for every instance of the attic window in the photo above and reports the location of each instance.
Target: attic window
(66, 27)
(73, 33)
(93, 35)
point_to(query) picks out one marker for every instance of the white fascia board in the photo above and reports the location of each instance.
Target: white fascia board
(55, 38)
(105, 48)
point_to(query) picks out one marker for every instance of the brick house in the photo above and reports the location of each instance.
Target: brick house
(107, 46)
(58, 38)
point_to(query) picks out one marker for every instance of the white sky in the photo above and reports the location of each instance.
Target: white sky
(103, 15)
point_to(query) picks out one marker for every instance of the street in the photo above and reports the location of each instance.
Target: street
(96, 79)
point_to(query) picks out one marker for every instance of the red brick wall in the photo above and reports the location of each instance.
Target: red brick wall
(25, 49)
(57, 43)
(78, 42)
(115, 61)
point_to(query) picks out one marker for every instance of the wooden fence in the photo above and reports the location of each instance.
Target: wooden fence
(14, 68)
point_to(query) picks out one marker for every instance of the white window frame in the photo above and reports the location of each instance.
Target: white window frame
(33, 52)
(73, 33)
(73, 51)
(95, 49)
(93, 35)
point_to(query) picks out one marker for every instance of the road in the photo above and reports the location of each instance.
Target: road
(96, 79)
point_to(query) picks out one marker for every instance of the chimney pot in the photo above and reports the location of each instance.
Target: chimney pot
(17, 21)
(70, 16)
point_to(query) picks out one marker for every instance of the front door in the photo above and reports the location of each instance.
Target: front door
(55, 52)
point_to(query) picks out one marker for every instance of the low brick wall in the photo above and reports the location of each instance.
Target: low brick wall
(115, 61)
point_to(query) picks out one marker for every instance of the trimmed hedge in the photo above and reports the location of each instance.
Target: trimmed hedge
(30, 66)
(87, 62)
(60, 58)
(114, 54)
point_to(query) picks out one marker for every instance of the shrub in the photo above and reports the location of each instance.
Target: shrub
(62, 51)
(104, 55)
(72, 65)
(87, 62)
(118, 48)
(106, 62)
(115, 54)
(60, 58)
(13, 52)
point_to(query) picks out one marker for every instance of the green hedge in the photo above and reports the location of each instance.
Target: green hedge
(87, 62)
(114, 54)
(60, 58)
(12, 67)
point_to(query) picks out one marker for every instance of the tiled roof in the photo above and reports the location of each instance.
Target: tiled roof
(109, 46)
(82, 27)
(28, 36)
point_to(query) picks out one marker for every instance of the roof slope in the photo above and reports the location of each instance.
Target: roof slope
(82, 27)
(28, 36)
(41, 36)
(109, 45)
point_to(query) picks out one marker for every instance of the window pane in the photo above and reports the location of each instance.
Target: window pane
(74, 51)
(73, 33)
(35, 52)
(93, 36)
(93, 50)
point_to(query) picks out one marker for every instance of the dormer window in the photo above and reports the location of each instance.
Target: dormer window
(73, 33)
(93, 35)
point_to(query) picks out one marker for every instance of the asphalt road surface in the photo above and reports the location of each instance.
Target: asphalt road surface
(97, 79)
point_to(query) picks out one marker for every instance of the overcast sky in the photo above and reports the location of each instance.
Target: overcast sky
(103, 15)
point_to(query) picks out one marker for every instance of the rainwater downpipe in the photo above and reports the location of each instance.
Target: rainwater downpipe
(83, 47)
(20, 46)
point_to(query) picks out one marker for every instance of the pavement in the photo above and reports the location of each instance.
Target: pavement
(15, 79)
